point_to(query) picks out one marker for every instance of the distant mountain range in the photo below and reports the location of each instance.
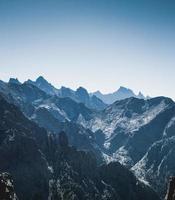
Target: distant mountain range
(136, 132)
(95, 100)
(121, 93)
(80, 95)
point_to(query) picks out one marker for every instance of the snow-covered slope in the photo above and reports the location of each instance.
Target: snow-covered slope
(157, 165)
(129, 123)
(129, 114)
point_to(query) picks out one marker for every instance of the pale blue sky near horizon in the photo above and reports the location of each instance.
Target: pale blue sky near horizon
(97, 44)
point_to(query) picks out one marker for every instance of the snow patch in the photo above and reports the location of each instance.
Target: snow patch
(122, 156)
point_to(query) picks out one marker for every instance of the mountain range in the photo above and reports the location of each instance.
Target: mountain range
(136, 132)
(80, 95)
(139, 134)
(95, 100)
(44, 166)
(121, 93)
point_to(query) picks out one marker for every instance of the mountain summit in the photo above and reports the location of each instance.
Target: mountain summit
(81, 95)
(95, 100)
(14, 80)
(121, 93)
(44, 85)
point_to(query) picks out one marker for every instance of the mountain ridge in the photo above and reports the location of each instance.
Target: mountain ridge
(81, 95)
(126, 131)
(121, 93)
(44, 166)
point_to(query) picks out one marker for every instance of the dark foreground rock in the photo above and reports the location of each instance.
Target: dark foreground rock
(7, 191)
(171, 190)
(78, 177)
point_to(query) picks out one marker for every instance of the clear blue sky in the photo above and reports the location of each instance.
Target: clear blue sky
(98, 44)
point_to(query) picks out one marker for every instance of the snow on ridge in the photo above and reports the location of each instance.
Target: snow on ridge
(107, 145)
(51, 107)
(122, 156)
(139, 169)
(169, 125)
(115, 117)
(108, 158)
(81, 120)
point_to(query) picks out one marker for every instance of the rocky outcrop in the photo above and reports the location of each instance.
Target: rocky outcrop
(7, 191)
(171, 190)
(63, 140)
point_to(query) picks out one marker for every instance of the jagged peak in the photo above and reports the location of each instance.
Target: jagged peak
(98, 92)
(124, 89)
(140, 95)
(81, 89)
(29, 81)
(64, 88)
(14, 80)
(41, 79)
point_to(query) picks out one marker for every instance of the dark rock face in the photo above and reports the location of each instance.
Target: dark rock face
(63, 140)
(171, 190)
(117, 175)
(77, 176)
(21, 143)
(22, 158)
(7, 191)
